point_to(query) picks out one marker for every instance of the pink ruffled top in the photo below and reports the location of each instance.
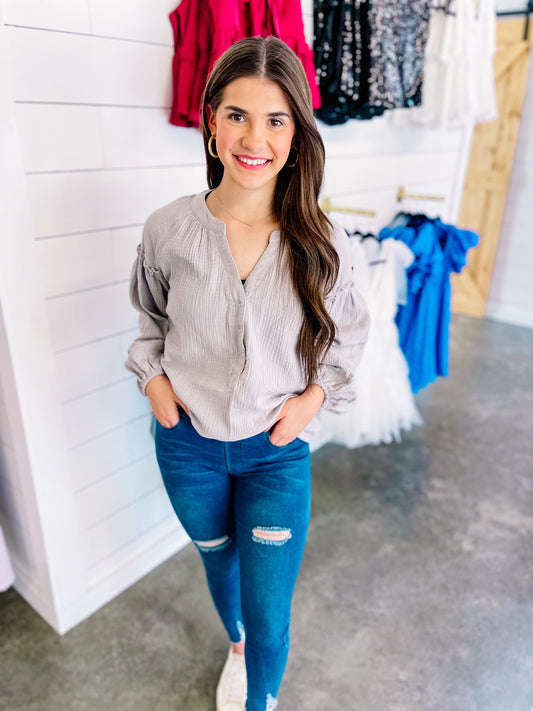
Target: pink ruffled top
(204, 29)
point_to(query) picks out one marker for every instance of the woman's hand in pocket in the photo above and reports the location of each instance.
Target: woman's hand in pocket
(164, 401)
(296, 414)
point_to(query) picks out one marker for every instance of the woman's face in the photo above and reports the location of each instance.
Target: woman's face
(254, 130)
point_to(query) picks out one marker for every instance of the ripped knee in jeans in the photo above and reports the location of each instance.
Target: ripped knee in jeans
(216, 544)
(271, 535)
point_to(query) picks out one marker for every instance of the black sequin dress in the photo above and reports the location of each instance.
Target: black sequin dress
(369, 56)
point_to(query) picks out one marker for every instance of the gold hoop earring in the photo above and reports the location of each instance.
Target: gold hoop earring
(210, 147)
(291, 165)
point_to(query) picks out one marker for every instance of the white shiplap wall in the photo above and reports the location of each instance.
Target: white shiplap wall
(91, 88)
(12, 507)
(90, 94)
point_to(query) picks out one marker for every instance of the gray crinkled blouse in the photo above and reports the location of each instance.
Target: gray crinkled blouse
(229, 349)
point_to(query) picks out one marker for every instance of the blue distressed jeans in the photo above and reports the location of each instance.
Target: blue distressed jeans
(246, 506)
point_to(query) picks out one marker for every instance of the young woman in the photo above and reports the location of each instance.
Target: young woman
(249, 323)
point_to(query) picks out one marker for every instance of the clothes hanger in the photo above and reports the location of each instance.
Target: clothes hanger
(366, 235)
(445, 7)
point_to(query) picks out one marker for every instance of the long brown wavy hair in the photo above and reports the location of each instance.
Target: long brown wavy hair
(305, 229)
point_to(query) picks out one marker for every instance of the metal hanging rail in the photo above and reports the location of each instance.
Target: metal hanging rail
(327, 206)
(527, 12)
(402, 195)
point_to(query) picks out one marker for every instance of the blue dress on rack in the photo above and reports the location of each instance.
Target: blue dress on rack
(424, 321)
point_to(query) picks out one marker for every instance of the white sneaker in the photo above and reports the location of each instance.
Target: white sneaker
(232, 687)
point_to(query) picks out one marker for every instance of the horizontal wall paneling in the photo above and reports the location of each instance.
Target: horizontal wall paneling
(91, 366)
(104, 454)
(82, 69)
(126, 527)
(112, 493)
(68, 137)
(94, 414)
(83, 261)
(67, 203)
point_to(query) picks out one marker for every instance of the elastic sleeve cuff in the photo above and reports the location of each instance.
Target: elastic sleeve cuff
(318, 381)
(340, 396)
(143, 382)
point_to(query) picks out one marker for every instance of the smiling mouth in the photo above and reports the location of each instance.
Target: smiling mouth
(252, 161)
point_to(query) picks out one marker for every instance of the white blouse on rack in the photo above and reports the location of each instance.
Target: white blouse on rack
(385, 405)
(459, 83)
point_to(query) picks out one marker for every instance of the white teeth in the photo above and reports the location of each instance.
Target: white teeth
(253, 161)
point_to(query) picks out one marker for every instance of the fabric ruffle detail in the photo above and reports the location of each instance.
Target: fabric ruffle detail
(204, 29)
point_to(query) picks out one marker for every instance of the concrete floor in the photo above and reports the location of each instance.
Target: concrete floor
(416, 589)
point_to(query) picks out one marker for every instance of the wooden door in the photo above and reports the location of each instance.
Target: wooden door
(489, 169)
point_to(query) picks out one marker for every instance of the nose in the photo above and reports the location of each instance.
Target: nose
(254, 138)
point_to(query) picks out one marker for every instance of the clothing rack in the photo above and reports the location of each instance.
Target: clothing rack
(504, 13)
(527, 12)
(445, 7)
(327, 206)
(402, 195)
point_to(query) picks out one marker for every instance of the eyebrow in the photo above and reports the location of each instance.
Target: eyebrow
(273, 114)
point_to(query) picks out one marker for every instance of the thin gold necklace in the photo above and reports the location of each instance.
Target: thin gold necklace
(248, 224)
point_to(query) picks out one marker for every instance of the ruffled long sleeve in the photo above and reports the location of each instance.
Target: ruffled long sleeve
(148, 294)
(350, 313)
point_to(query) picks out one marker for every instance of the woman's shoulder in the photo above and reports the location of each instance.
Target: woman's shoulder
(168, 223)
(165, 217)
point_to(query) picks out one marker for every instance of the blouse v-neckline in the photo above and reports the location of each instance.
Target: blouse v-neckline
(213, 224)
